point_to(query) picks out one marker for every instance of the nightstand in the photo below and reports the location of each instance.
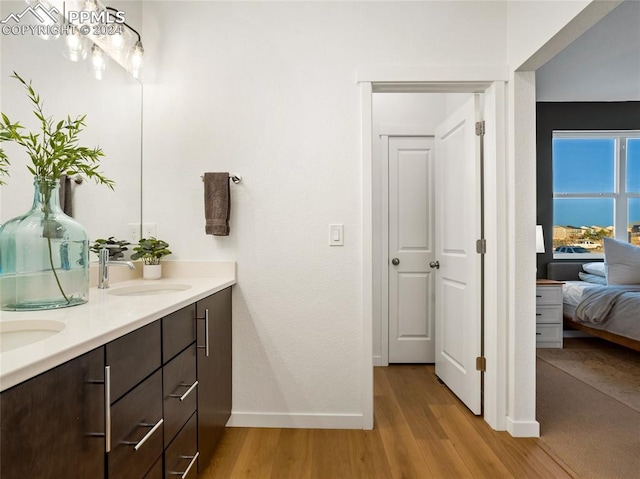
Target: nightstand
(548, 313)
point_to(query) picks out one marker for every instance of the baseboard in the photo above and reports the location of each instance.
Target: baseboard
(523, 428)
(377, 361)
(296, 420)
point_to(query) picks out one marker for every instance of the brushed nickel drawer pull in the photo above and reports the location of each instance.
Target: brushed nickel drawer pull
(139, 444)
(184, 396)
(107, 408)
(206, 332)
(184, 474)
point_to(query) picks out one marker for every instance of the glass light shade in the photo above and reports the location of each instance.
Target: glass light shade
(76, 47)
(99, 61)
(137, 60)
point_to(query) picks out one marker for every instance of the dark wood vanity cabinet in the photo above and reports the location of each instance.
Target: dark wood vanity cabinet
(150, 404)
(214, 371)
(52, 425)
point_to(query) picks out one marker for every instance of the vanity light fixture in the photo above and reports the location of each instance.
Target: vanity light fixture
(105, 27)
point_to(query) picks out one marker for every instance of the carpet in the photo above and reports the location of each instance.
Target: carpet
(595, 435)
(609, 368)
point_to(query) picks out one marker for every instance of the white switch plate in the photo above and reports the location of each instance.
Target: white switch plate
(336, 235)
(149, 230)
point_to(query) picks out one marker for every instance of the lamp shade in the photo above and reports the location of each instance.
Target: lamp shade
(539, 239)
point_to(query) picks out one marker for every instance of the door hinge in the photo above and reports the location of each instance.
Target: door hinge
(480, 128)
(481, 246)
(481, 363)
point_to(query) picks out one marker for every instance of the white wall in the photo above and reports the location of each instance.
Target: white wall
(268, 91)
(601, 65)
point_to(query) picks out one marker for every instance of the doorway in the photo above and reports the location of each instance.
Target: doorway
(420, 227)
(494, 93)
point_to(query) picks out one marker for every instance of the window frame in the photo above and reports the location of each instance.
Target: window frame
(620, 195)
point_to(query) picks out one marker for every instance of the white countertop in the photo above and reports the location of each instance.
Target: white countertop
(104, 318)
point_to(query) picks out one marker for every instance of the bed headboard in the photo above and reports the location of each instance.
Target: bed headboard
(565, 270)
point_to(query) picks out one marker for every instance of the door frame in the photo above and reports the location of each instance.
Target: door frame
(491, 81)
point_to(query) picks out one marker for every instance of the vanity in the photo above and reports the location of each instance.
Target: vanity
(137, 384)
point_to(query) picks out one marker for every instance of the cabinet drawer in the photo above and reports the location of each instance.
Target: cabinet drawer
(156, 471)
(549, 314)
(133, 424)
(546, 333)
(549, 295)
(132, 358)
(181, 455)
(178, 331)
(179, 391)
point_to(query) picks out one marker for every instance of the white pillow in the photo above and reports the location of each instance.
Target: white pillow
(623, 262)
(592, 278)
(595, 268)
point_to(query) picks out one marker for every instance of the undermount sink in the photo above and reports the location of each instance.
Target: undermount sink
(16, 334)
(148, 289)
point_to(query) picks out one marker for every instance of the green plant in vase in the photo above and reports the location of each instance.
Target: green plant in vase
(150, 251)
(116, 247)
(44, 240)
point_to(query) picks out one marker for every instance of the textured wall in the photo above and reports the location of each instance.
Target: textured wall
(267, 90)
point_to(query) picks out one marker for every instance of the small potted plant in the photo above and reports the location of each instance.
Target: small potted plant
(150, 251)
(116, 247)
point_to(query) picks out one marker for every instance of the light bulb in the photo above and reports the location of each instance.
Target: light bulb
(76, 50)
(137, 60)
(99, 62)
(117, 41)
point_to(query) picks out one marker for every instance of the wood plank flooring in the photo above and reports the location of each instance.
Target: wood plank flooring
(421, 431)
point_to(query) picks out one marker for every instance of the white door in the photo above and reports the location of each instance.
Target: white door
(459, 277)
(411, 248)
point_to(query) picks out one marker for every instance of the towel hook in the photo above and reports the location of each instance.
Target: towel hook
(235, 178)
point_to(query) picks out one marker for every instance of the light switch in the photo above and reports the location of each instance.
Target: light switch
(336, 235)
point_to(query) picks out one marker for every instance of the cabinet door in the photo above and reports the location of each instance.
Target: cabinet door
(214, 371)
(52, 426)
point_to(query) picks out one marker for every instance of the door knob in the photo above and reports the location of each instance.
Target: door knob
(435, 264)
(395, 261)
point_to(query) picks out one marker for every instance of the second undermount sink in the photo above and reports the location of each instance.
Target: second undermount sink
(20, 333)
(148, 289)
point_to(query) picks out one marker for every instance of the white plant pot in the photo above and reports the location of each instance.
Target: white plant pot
(152, 271)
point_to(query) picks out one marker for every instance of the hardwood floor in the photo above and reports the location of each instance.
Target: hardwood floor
(421, 431)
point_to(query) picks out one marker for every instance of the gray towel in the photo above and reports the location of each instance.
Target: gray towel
(66, 195)
(217, 203)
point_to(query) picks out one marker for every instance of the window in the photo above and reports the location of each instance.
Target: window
(596, 189)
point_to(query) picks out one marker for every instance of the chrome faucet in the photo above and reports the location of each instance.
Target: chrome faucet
(103, 267)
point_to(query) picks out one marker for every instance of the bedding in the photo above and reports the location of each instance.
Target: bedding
(615, 309)
(618, 328)
(596, 268)
(592, 278)
(623, 262)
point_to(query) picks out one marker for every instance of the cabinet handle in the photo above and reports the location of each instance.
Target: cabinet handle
(139, 444)
(107, 408)
(538, 334)
(184, 474)
(184, 396)
(206, 332)
(538, 296)
(538, 314)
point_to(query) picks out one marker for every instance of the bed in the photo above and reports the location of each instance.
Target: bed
(607, 311)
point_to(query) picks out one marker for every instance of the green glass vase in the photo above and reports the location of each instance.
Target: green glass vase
(44, 255)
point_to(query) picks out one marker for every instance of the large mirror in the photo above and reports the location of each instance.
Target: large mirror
(113, 107)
